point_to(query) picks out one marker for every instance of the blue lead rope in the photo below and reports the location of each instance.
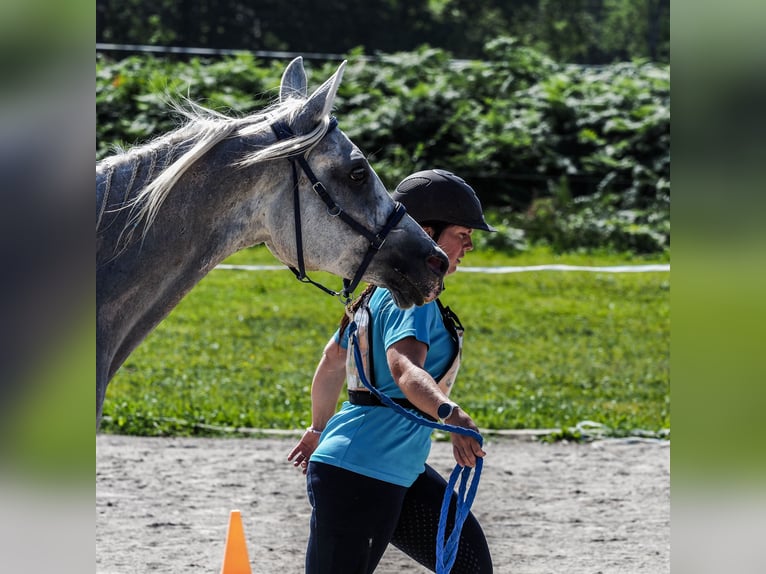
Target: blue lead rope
(446, 550)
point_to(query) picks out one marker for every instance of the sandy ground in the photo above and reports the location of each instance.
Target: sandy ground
(162, 505)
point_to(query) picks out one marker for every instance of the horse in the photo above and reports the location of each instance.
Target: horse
(169, 211)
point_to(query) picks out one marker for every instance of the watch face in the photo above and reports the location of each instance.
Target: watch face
(444, 410)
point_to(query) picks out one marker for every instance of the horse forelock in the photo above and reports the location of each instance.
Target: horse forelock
(204, 129)
(285, 111)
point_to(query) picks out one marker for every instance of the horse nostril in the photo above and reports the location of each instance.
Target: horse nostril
(439, 264)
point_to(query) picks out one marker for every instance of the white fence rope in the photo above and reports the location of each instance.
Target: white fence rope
(503, 269)
(586, 430)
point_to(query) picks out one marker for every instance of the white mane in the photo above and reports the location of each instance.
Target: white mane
(205, 129)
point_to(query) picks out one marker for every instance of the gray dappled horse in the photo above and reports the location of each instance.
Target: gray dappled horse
(169, 211)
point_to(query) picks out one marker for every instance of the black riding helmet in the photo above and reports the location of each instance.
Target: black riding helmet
(438, 195)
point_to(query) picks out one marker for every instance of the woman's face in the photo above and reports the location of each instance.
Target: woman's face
(455, 240)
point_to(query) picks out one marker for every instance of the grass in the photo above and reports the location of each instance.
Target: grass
(543, 350)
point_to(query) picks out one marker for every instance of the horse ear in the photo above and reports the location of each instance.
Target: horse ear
(320, 102)
(293, 81)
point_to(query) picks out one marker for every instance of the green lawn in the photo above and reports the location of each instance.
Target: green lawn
(543, 349)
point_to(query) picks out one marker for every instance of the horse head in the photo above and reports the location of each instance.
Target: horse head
(406, 260)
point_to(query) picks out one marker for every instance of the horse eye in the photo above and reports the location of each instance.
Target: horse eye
(358, 174)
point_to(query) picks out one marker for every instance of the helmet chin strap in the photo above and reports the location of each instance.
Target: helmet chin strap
(282, 130)
(434, 232)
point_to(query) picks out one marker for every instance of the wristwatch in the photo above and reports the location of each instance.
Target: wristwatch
(445, 410)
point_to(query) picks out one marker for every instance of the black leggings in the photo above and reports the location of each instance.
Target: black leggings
(355, 517)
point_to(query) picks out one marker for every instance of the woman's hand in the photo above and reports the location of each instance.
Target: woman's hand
(301, 452)
(464, 448)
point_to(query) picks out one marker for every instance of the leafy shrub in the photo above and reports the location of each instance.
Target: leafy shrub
(580, 156)
(593, 222)
(507, 239)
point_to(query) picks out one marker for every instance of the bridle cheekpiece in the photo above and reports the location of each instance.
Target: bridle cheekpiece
(283, 131)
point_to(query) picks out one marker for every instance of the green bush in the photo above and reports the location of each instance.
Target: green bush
(577, 157)
(594, 222)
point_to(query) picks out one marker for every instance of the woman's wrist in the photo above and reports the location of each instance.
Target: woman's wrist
(446, 410)
(313, 430)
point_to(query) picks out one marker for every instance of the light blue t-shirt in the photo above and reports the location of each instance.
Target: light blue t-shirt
(377, 441)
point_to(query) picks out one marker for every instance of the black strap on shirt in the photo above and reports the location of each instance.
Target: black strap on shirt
(367, 399)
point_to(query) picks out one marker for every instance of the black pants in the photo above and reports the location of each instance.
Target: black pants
(355, 517)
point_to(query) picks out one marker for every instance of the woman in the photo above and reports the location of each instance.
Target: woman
(367, 480)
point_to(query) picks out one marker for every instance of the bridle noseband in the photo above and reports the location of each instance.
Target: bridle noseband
(283, 131)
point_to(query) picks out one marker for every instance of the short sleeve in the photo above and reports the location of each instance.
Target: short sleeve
(396, 324)
(342, 341)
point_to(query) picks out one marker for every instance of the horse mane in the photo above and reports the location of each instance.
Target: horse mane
(203, 130)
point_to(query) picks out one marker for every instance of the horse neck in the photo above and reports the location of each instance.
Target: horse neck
(213, 211)
(119, 178)
(209, 196)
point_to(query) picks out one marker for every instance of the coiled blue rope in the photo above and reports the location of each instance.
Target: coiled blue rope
(446, 550)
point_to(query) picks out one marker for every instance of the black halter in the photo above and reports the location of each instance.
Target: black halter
(282, 131)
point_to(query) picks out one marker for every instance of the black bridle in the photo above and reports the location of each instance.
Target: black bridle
(282, 130)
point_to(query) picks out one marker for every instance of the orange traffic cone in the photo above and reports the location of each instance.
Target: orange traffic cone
(235, 558)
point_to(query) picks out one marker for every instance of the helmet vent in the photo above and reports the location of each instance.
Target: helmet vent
(411, 182)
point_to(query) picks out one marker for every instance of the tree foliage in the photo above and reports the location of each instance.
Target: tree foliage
(581, 31)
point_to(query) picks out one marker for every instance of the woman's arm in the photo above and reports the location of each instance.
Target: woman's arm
(329, 377)
(405, 360)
